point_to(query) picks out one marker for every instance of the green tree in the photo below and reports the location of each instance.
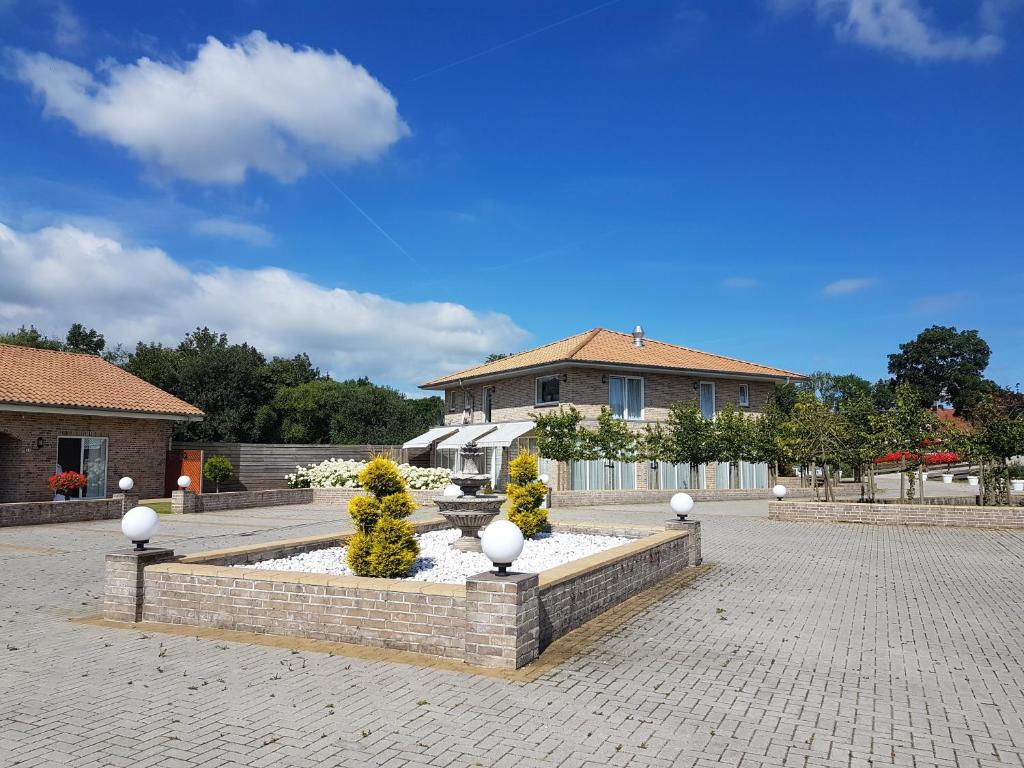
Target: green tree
(817, 437)
(561, 436)
(767, 439)
(690, 438)
(227, 381)
(943, 365)
(732, 440)
(612, 440)
(291, 371)
(218, 469)
(88, 341)
(31, 337)
(904, 428)
(496, 356)
(998, 432)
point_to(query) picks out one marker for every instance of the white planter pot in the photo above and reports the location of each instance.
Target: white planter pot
(972, 480)
(947, 478)
(1018, 485)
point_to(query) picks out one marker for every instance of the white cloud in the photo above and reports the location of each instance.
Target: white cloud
(255, 105)
(59, 275)
(234, 229)
(848, 285)
(740, 282)
(907, 28)
(67, 27)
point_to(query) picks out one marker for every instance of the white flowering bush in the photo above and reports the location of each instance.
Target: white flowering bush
(344, 473)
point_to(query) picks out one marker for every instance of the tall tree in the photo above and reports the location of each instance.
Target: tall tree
(690, 438)
(612, 440)
(944, 365)
(904, 429)
(31, 337)
(561, 436)
(88, 341)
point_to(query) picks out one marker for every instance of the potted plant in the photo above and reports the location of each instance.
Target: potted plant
(1016, 472)
(66, 483)
(972, 479)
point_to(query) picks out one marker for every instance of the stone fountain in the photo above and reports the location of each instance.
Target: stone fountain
(473, 510)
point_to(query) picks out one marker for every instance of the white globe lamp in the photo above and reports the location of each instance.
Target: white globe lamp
(451, 491)
(184, 482)
(139, 524)
(779, 491)
(502, 542)
(545, 479)
(125, 484)
(682, 505)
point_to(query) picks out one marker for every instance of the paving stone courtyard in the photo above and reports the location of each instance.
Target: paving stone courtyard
(805, 645)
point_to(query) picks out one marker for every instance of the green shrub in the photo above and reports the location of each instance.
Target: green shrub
(217, 469)
(398, 505)
(393, 549)
(365, 512)
(384, 546)
(380, 477)
(526, 495)
(359, 554)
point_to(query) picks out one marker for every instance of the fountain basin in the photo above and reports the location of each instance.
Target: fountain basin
(469, 514)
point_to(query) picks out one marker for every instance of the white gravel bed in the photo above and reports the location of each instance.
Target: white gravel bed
(439, 563)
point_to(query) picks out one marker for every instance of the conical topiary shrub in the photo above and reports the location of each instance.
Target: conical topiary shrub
(384, 545)
(526, 494)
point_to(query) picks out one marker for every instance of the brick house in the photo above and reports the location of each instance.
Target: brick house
(79, 412)
(638, 378)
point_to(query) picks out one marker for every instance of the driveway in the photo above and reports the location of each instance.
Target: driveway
(806, 645)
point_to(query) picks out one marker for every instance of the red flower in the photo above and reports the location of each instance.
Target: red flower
(67, 482)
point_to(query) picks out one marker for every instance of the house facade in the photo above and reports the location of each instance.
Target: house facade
(639, 379)
(63, 411)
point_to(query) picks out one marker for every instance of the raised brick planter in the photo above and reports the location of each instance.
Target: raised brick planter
(897, 514)
(489, 621)
(594, 498)
(185, 502)
(76, 511)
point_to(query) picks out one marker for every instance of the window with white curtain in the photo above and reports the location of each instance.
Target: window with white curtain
(707, 399)
(626, 397)
(750, 475)
(671, 477)
(595, 476)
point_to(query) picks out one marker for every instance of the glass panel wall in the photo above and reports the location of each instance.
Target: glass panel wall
(595, 476)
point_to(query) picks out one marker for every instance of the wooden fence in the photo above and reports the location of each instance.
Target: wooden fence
(262, 466)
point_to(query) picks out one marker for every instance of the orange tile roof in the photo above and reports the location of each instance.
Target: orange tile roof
(42, 377)
(600, 345)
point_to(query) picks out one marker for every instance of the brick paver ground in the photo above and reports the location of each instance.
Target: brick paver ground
(807, 645)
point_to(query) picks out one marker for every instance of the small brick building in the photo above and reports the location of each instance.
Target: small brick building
(61, 410)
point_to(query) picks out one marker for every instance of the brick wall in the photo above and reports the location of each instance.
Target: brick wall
(488, 621)
(593, 498)
(135, 447)
(213, 502)
(75, 511)
(897, 514)
(572, 594)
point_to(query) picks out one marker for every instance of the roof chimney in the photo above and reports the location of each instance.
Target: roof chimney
(638, 336)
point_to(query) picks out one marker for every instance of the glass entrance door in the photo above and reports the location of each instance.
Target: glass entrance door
(87, 455)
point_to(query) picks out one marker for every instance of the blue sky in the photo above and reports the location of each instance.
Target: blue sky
(400, 188)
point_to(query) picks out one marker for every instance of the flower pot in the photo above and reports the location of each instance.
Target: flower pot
(947, 478)
(924, 475)
(1018, 485)
(972, 480)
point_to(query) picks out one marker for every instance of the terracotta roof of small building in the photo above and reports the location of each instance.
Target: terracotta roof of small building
(600, 345)
(42, 377)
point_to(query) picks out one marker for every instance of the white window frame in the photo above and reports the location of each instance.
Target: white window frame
(536, 391)
(714, 397)
(625, 396)
(745, 395)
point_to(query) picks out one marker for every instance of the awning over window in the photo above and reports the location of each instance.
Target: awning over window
(506, 433)
(467, 434)
(427, 438)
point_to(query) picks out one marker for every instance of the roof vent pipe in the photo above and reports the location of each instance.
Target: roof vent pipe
(638, 336)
